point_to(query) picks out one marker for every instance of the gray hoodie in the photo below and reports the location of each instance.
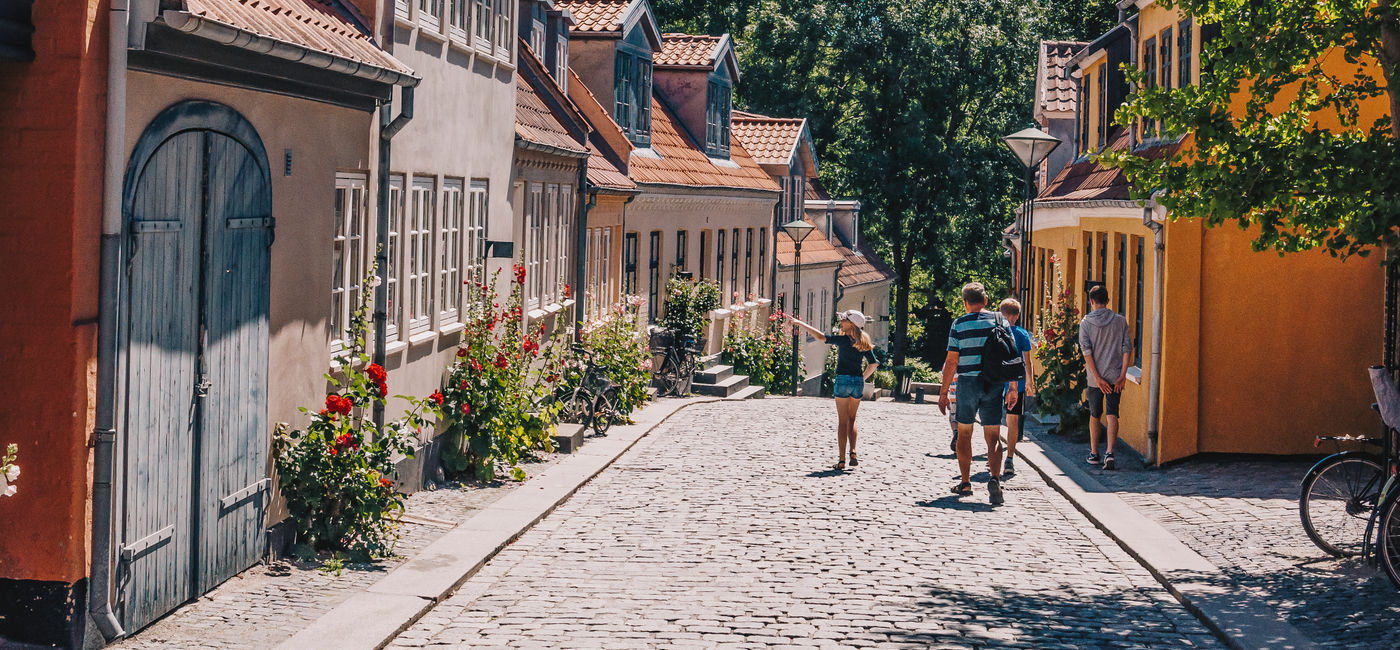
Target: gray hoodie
(1103, 335)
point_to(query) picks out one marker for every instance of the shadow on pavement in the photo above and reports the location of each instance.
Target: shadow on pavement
(954, 502)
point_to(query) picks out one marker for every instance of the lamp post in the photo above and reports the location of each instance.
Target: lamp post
(1030, 146)
(797, 229)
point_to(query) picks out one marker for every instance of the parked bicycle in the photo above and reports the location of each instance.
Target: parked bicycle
(679, 354)
(593, 399)
(1349, 503)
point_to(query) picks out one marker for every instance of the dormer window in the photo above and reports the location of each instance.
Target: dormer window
(536, 30)
(632, 93)
(718, 104)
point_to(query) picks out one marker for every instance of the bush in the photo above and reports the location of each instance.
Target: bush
(334, 474)
(493, 399)
(764, 355)
(688, 306)
(1061, 382)
(923, 371)
(620, 350)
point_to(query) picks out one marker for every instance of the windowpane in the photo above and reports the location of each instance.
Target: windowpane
(629, 261)
(393, 252)
(1183, 53)
(430, 13)
(1137, 301)
(1104, 108)
(485, 21)
(1122, 304)
(680, 250)
(535, 237)
(348, 265)
(449, 241)
(762, 262)
(643, 102)
(420, 261)
(734, 267)
(654, 276)
(748, 267)
(719, 260)
(504, 37)
(475, 240)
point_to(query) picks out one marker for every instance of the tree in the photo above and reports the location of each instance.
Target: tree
(1276, 132)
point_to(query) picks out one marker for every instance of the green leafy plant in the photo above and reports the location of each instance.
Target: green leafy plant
(763, 353)
(494, 398)
(1060, 384)
(619, 349)
(688, 306)
(335, 473)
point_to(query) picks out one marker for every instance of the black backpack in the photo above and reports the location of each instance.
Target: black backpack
(1001, 359)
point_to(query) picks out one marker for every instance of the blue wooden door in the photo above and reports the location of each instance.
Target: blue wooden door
(195, 436)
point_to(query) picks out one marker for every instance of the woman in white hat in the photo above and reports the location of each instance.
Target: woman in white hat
(853, 349)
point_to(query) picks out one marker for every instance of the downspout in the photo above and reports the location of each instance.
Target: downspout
(388, 128)
(1154, 372)
(581, 241)
(108, 314)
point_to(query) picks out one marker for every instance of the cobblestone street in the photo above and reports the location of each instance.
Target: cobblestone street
(724, 527)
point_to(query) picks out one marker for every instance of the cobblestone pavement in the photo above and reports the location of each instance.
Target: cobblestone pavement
(724, 528)
(269, 603)
(1242, 515)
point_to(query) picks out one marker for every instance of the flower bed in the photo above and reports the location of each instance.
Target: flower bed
(620, 350)
(764, 354)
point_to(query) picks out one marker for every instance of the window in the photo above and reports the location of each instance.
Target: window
(351, 191)
(605, 261)
(748, 267)
(1103, 258)
(1122, 304)
(719, 262)
(484, 13)
(630, 244)
(561, 54)
(1104, 109)
(536, 39)
(590, 292)
(632, 95)
(704, 252)
(1183, 53)
(504, 39)
(564, 242)
(534, 241)
(680, 250)
(1149, 68)
(430, 14)
(654, 275)
(401, 9)
(393, 249)
(459, 20)
(734, 267)
(420, 261)
(450, 243)
(718, 103)
(1089, 256)
(1137, 301)
(824, 314)
(1166, 59)
(811, 313)
(475, 237)
(1085, 94)
(762, 262)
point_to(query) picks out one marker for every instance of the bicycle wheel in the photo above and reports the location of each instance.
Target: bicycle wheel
(1337, 498)
(576, 408)
(669, 377)
(605, 411)
(1388, 537)
(686, 375)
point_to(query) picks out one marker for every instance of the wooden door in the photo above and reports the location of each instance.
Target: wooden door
(194, 442)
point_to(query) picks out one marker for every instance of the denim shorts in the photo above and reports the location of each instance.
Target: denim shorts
(977, 397)
(849, 386)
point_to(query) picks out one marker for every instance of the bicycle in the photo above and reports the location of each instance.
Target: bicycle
(592, 401)
(674, 374)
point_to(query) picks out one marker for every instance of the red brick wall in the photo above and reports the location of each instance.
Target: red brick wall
(51, 142)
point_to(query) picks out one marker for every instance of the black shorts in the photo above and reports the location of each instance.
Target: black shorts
(1020, 406)
(1096, 403)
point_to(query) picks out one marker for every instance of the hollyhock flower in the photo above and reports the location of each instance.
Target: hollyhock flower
(383, 389)
(462, 353)
(463, 385)
(568, 292)
(519, 271)
(436, 397)
(501, 361)
(334, 451)
(466, 409)
(476, 366)
(12, 473)
(376, 373)
(343, 440)
(384, 482)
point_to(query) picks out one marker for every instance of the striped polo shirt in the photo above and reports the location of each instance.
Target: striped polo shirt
(968, 336)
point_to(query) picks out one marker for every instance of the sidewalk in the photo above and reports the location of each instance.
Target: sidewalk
(1233, 547)
(442, 542)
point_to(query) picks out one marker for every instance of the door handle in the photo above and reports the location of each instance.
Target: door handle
(202, 388)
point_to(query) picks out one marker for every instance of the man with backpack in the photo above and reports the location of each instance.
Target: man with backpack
(982, 355)
(1108, 352)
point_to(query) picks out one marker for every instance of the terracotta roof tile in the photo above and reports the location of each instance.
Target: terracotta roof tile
(535, 122)
(816, 249)
(771, 140)
(1058, 92)
(863, 266)
(687, 50)
(1086, 180)
(816, 191)
(314, 24)
(682, 162)
(596, 15)
(603, 173)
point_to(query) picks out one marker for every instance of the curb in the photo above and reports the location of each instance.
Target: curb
(371, 618)
(1242, 621)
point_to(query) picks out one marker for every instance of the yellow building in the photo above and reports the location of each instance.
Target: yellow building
(1258, 353)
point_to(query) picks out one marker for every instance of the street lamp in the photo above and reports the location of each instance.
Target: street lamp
(797, 229)
(1030, 146)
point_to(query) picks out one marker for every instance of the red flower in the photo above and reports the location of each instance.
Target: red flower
(461, 353)
(343, 440)
(462, 385)
(501, 361)
(568, 292)
(338, 404)
(519, 271)
(466, 409)
(376, 373)
(531, 347)
(476, 366)
(436, 397)
(383, 390)
(384, 482)
(551, 379)
(334, 451)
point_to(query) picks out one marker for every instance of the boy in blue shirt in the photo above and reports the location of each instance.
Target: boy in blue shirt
(1016, 399)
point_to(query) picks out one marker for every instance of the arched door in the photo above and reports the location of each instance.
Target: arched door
(194, 381)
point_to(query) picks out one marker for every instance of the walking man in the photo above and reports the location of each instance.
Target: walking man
(1108, 352)
(976, 395)
(1016, 394)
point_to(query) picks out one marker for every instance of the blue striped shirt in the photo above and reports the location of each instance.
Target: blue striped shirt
(967, 338)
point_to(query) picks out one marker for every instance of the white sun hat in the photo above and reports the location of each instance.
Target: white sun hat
(858, 319)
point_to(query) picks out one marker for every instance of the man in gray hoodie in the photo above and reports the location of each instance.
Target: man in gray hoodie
(1108, 352)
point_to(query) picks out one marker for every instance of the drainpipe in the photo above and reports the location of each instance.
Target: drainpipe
(1133, 135)
(104, 431)
(388, 128)
(1154, 373)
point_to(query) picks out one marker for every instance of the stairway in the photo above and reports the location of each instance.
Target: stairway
(716, 380)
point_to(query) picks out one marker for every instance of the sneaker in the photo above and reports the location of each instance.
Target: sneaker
(1108, 462)
(1093, 459)
(994, 492)
(1010, 468)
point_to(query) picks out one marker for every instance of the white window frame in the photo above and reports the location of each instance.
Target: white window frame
(504, 41)
(403, 9)
(605, 278)
(430, 14)
(352, 197)
(393, 252)
(534, 224)
(590, 296)
(450, 245)
(563, 223)
(549, 270)
(459, 21)
(484, 25)
(474, 269)
(419, 254)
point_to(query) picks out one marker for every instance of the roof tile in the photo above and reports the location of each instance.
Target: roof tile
(863, 266)
(535, 122)
(314, 24)
(1087, 180)
(682, 162)
(816, 249)
(1058, 92)
(596, 15)
(687, 51)
(771, 140)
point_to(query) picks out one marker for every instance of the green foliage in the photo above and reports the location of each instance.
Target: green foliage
(1263, 162)
(688, 306)
(923, 371)
(1060, 384)
(620, 350)
(334, 474)
(493, 399)
(763, 354)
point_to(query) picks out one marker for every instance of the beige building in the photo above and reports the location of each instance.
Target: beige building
(864, 280)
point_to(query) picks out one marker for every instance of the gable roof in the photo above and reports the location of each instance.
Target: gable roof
(542, 112)
(321, 27)
(816, 248)
(677, 160)
(1055, 89)
(608, 147)
(611, 18)
(697, 52)
(863, 266)
(775, 140)
(1087, 180)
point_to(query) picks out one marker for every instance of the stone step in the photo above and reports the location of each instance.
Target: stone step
(752, 392)
(709, 361)
(725, 388)
(714, 374)
(568, 437)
